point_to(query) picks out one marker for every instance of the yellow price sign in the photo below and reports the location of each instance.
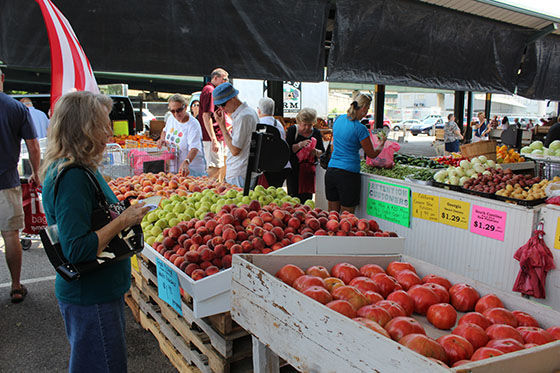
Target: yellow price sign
(134, 263)
(453, 212)
(120, 127)
(425, 206)
(557, 236)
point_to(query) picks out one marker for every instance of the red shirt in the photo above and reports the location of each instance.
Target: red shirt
(207, 106)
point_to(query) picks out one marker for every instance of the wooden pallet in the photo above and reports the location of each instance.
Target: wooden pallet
(196, 339)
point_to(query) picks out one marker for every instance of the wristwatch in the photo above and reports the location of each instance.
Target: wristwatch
(188, 161)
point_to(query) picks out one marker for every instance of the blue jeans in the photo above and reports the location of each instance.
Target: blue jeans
(96, 336)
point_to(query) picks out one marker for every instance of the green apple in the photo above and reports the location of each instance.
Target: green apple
(169, 207)
(152, 216)
(150, 240)
(259, 188)
(156, 230)
(295, 200)
(159, 238)
(145, 223)
(162, 224)
(310, 203)
(190, 211)
(161, 213)
(175, 198)
(170, 215)
(183, 217)
(173, 222)
(179, 208)
(165, 202)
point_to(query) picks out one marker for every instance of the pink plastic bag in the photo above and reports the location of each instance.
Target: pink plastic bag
(385, 158)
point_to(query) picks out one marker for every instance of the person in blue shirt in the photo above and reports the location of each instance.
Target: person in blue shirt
(342, 179)
(92, 306)
(40, 120)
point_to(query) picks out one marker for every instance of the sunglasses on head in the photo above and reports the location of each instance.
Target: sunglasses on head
(180, 109)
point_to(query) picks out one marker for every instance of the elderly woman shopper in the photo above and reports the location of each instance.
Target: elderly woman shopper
(451, 135)
(342, 179)
(306, 145)
(183, 131)
(92, 306)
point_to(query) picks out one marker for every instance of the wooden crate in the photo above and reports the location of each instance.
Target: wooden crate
(486, 148)
(227, 338)
(312, 337)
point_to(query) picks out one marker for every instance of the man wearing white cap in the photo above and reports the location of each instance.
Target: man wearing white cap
(244, 124)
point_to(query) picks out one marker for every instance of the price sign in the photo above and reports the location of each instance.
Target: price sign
(168, 286)
(389, 202)
(134, 263)
(488, 222)
(425, 206)
(557, 236)
(453, 212)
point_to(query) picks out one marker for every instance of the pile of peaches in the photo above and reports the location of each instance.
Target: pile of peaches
(165, 185)
(385, 300)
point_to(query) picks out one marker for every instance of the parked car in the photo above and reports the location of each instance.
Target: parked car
(147, 116)
(369, 122)
(406, 124)
(427, 125)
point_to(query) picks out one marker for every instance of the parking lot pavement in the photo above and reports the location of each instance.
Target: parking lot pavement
(33, 337)
(415, 145)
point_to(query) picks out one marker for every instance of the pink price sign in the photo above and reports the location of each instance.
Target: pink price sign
(488, 222)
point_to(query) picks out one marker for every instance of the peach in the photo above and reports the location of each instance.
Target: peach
(345, 271)
(289, 273)
(343, 307)
(332, 282)
(350, 294)
(305, 281)
(319, 293)
(318, 271)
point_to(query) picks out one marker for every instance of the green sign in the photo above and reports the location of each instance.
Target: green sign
(389, 202)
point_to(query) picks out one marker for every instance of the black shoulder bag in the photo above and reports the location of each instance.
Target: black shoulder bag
(326, 156)
(125, 244)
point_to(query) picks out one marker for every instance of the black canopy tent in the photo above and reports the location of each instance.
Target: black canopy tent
(540, 75)
(274, 39)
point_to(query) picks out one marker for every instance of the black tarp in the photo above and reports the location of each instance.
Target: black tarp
(410, 43)
(540, 75)
(273, 39)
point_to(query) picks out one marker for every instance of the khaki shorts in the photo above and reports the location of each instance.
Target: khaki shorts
(214, 159)
(11, 209)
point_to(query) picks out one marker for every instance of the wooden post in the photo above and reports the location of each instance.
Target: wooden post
(488, 106)
(379, 105)
(264, 360)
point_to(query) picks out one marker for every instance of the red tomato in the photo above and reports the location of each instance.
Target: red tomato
(369, 270)
(345, 271)
(456, 347)
(402, 298)
(535, 335)
(423, 298)
(524, 319)
(485, 353)
(403, 325)
(395, 267)
(554, 331)
(431, 278)
(289, 273)
(488, 301)
(373, 297)
(375, 313)
(463, 297)
(442, 315)
(305, 281)
(342, 307)
(350, 294)
(385, 283)
(372, 325)
(505, 345)
(364, 284)
(319, 293)
(424, 346)
(472, 333)
(440, 291)
(408, 279)
(394, 309)
(503, 331)
(500, 316)
(475, 318)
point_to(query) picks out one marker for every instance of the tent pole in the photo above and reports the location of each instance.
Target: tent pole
(379, 105)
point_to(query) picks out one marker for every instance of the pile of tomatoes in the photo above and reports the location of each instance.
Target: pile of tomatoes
(385, 300)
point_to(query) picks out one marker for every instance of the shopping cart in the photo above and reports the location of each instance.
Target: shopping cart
(34, 216)
(115, 162)
(143, 160)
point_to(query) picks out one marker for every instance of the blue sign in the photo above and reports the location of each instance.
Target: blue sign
(168, 286)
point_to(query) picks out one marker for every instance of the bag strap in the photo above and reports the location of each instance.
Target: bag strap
(98, 191)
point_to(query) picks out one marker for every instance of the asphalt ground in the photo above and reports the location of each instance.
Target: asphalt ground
(32, 335)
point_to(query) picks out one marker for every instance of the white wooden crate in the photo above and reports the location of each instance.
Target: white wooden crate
(212, 295)
(312, 337)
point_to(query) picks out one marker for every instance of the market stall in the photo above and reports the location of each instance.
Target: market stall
(472, 235)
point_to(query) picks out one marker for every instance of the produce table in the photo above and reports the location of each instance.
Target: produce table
(459, 249)
(312, 337)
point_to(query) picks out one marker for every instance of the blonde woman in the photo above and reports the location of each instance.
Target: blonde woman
(342, 179)
(92, 306)
(301, 178)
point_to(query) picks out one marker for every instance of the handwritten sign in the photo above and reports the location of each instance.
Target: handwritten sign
(454, 213)
(134, 263)
(557, 236)
(168, 286)
(120, 127)
(389, 202)
(425, 206)
(488, 222)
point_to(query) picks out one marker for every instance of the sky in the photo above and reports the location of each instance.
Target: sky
(548, 7)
